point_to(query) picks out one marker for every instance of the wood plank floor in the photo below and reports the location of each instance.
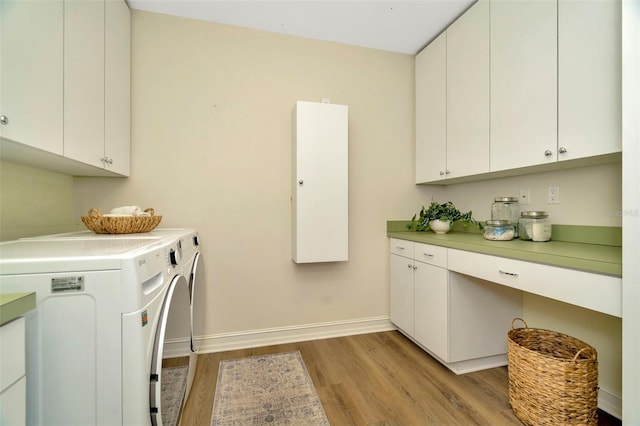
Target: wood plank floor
(377, 379)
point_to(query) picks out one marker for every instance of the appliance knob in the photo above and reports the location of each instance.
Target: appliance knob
(173, 257)
(196, 240)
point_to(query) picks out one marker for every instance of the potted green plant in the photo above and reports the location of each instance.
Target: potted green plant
(439, 217)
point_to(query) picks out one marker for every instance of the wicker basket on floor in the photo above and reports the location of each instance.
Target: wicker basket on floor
(100, 224)
(553, 378)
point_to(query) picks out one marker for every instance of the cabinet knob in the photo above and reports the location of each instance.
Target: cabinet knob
(301, 181)
(441, 173)
(562, 150)
(447, 172)
(548, 153)
(4, 119)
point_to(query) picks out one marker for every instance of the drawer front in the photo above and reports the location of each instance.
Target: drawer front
(598, 292)
(12, 352)
(401, 247)
(433, 255)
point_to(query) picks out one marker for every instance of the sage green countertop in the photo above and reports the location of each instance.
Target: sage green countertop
(603, 256)
(14, 305)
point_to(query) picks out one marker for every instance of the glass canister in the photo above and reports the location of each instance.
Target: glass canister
(506, 208)
(498, 230)
(535, 226)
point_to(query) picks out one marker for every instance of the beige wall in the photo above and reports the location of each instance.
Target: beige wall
(211, 149)
(34, 202)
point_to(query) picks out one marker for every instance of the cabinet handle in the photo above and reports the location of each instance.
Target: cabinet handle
(4, 119)
(427, 254)
(548, 153)
(399, 248)
(562, 150)
(513, 274)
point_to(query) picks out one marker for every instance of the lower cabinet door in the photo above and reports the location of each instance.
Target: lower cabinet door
(401, 297)
(13, 404)
(431, 309)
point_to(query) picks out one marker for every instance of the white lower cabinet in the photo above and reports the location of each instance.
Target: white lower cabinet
(460, 320)
(13, 380)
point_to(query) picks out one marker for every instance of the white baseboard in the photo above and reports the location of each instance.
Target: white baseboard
(610, 403)
(278, 335)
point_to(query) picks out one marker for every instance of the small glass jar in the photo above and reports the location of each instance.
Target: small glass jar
(498, 230)
(535, 226)
(506, 208)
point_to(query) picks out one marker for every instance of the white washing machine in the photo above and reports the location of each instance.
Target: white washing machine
(96, 338)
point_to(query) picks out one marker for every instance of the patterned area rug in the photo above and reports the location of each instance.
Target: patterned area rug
(266, 390)
(174, 384)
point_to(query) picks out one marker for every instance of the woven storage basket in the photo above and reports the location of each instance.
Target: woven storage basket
(100, 224)
(553, 378)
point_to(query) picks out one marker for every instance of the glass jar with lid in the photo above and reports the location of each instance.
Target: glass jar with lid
(535, 226)
(506, 208)
(498, 230)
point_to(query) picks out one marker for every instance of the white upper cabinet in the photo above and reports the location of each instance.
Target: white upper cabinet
(320, 183)
(117, 83)
(468, 92)
(31, 66)
(431, 111)
(84, 81)
(589, 78)
(523, 83)
(65, 85)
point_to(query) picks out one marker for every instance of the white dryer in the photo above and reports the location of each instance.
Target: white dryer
(95, 340)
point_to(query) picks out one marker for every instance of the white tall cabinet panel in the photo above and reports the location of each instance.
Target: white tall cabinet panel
(84, 81)
(31, 67)
(589, 78)
(468, 92)
(523, 83)
(320, 187)
(431, 111)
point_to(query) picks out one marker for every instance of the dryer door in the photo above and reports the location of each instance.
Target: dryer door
(192, 291)
(168, 416)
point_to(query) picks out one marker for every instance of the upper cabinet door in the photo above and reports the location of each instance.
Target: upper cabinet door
(589, 81)
(320, 183)
(117, 83)
(84, 81)
(431, 111)
(523, 83)
(468, 92)
(31, 73)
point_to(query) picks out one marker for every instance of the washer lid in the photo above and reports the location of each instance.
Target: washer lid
(36, 256)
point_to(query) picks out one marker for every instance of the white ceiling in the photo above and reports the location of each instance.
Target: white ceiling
(404, 26)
